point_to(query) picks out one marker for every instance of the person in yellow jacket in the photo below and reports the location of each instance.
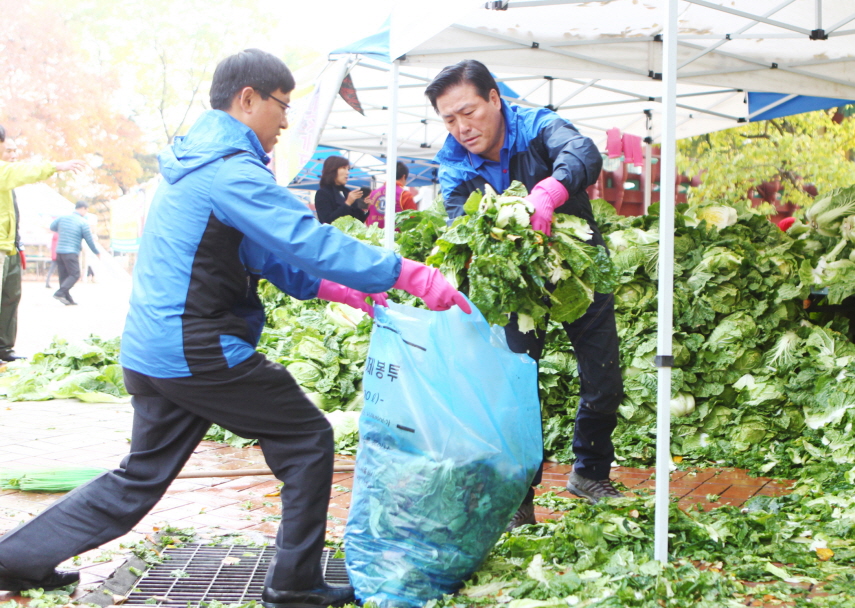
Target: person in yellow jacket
(12, 175)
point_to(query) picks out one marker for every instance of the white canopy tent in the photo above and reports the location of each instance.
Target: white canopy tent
(601, 64)
(602, 72)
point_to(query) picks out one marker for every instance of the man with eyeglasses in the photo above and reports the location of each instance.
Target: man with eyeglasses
(218, 223)
(12, 175)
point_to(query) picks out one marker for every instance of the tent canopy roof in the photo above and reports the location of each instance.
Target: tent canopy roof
(602, 70)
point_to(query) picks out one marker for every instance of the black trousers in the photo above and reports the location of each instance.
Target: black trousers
(69, 272)
(11, 297)
(257, 399)
(596, 344)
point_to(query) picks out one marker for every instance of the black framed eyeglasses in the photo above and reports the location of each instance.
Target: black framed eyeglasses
(285, 106)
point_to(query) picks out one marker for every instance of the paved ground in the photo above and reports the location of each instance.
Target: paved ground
(65, 433)
(101, 309)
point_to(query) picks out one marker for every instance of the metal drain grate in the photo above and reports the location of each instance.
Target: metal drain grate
(213, 574)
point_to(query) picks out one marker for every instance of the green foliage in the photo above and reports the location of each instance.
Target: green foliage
(167, 51)
(769, 382)
(804, 149)
(419, 230)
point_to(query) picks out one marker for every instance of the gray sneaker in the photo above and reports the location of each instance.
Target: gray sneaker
(524, 515)
(592, 489)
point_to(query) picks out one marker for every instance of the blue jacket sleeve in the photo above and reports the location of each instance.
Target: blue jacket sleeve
(293, 281)
(246, 197)
(454, 195)
(87, 236)
(576, 161)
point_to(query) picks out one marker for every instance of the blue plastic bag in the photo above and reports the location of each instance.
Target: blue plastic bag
(450, 440)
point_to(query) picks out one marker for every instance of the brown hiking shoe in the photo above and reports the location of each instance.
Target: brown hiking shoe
(592, 489)
(524, 515)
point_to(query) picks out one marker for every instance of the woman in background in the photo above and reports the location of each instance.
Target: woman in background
(333, 200)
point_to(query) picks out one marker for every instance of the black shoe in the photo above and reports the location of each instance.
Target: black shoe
(59, 578)
(10, 356)
(308, 598)
(524, 515)
(62, 299)
(592, 489)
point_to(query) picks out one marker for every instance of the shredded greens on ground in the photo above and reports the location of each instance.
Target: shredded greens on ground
(770, 550)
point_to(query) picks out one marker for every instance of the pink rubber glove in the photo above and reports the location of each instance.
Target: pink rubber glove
(333, 292)
(546, 196)
(428, 284)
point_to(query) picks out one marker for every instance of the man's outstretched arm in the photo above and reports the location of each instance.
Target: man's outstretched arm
(17, 174)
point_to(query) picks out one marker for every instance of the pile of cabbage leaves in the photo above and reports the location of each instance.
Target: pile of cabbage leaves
(759, 382)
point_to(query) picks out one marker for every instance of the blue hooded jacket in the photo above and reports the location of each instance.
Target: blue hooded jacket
(218, 223)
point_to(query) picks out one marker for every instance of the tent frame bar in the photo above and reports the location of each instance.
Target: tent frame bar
(530, 3)
(391, 158)
(742, 30)
(757, 18)
(840, 24)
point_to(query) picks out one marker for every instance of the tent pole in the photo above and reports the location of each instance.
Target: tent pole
(648, 176)
(667, 187)
(648, 161)
(391, 158)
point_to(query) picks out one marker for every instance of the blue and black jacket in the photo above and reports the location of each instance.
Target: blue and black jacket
(540, 144)
(218, 223)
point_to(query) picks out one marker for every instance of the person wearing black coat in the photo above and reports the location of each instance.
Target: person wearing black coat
(333, 200)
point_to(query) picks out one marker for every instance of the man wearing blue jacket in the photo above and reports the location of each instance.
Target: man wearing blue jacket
(218, 223)
(72, 230)
(493, 142)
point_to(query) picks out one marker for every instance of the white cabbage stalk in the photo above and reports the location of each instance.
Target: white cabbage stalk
(847, 228)
(827, 213)
(576, 226)
(624, 239)
(784, 352)
(720, 216)
(682, 405)
(489, 199)
(519, 212)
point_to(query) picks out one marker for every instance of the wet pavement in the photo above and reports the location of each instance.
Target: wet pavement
(62, 433)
